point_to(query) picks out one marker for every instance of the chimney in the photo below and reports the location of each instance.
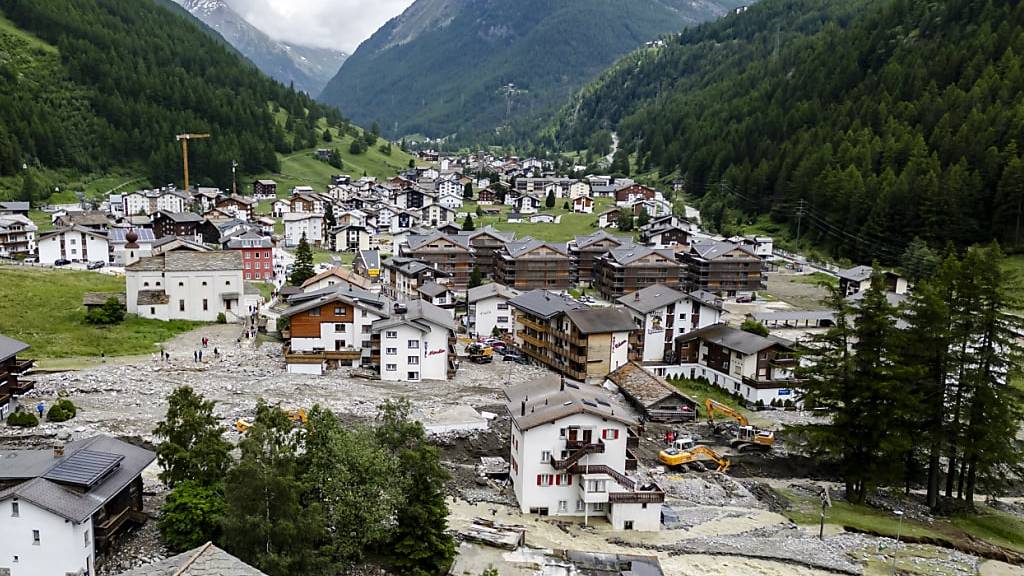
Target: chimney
(636, 296)
(561, 387)
(523, 412)
(58, 451)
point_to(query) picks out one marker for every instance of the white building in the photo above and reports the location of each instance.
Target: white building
(76, 244)
(450, 200)
(416, 343)
(117, 238)
(568, 456)
(187, 285)
(664, 314)
(149, 202)
(489, 309)
(60, 504)
(297, 224)
(17, 236)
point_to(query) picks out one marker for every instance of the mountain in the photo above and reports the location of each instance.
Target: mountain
(439, 67)
(862, 123)
(308, 68)
(96, 84)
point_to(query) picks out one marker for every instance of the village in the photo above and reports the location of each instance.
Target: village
(609, 398)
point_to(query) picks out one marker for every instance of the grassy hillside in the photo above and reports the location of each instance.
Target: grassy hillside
(43, 308)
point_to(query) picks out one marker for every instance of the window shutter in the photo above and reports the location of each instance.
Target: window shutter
(570, 479)
(538, 479)
(558, 480)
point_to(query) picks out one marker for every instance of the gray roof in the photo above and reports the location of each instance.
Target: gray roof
(418, 313)
(182, 217)
(207, 560)
(545, 304)
(76, 228)
(491, 231)
(734, 339)
(100, 298)
(10, 347)
(522, 247)
(602, 320)
(584, 241)
(189, 261)
(417, 241)
(627, 255)
(15, 206)
(185, 241)
(547, 400)
(47, 488)
(346, 293)
(857, 273)
(432, 289)
(370, 258)
(490, 291)
(711, 249)
(707, 298)
(651, 298)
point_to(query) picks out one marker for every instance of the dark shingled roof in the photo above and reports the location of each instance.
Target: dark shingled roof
(518, 248)
(733, 339)
(711, 249)
(585, 241)
(100, 298)
(545, 304)
(490, 290)
(651, 298)
(153, 298)
(629, 254)
(601, 320)
(643, 387)
(547, 401)
(432, 289)
(207, 560)
(189, 261)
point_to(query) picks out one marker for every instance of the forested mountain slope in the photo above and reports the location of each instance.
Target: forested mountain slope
(438, 68)
(91, 84)
(890, 118)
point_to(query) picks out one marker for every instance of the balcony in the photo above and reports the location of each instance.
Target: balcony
(526, 321)
(637, 497)
(531, 339)
(577, 454)
(771, 384)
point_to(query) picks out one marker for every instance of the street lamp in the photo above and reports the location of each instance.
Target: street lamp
(899, 528)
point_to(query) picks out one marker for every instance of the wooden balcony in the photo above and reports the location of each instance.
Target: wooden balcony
(531, 339)
(575, 456)
(645, 497)
(525, 321)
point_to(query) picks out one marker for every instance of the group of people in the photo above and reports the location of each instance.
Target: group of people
(197, 355)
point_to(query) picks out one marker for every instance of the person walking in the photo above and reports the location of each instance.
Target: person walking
(40, 408)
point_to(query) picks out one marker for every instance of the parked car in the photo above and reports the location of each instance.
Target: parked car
(95, 265)
(61, 262)
(514, 357)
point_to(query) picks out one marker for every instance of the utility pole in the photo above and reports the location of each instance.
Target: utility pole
(800, 217)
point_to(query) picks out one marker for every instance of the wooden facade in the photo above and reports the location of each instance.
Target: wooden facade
(307, 324)
(541, 266)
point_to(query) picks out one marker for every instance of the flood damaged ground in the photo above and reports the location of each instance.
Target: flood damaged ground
(726, 524)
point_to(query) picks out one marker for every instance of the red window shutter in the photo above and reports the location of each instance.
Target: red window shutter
(616, 437)
(538, 479)
(558, 480)
(570, 479)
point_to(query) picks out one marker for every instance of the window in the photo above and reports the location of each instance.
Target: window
(627, 525)
(227, 282)
(503, 319)
(15, 559)
(579, 505)
(145, 284)
(563, 506)
(14, 509)
(257, 255)
(545, 456)
(364, 313)
(392, 367)
(545, 479)
(314, 312)
(248, 275)
(152, 311)
(339, 327)
(181, 305)
(414, 375)
(391, 334)
(339, 310)
(206, 304)
(502, 306)
(561, 433)
(366, 328)
(597, 507)
(180, 284)
(391, 351)
(610, 434)
(414, 344)
(413, 360)
(86, 538)
(204, 283)
(35, 537)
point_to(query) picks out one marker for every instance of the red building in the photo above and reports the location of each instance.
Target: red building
(257, 255)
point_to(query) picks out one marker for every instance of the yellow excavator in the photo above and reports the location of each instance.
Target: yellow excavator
(748, 438)
(675, 457)
(297, 416)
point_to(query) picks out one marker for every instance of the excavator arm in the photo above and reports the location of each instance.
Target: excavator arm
(712, 406)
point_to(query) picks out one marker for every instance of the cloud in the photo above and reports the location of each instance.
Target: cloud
(339, 24)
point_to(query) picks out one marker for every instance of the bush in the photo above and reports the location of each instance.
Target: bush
(191, 516)
(221, 318)
(110, 313)
(61, 411)
(22, 420)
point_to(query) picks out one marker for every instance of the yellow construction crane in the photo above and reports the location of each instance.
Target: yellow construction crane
(184, 139)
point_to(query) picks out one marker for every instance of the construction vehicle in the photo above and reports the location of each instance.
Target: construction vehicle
(480, 353)
(185, 139)
(747, 438)
(674, 457)
(296, 415)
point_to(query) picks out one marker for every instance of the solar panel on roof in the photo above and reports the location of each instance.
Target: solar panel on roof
(84, 468)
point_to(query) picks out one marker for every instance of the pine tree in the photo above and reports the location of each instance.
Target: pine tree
(550, 200)
(467, 191)
(476, 278)
(467, 224)
(30, 189)
(192, 448)
(328, 137)
(625, 220)
(303, 268)
(329, 221)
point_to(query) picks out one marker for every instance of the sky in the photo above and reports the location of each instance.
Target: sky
(338, 24)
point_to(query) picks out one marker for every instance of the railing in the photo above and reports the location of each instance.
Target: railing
(652, 497)
(577, 454)
(619, 477)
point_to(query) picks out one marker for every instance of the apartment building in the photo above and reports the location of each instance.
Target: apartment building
(570, 455)
(488, 310)
(416, 343)
(401, 277)
(299, 224)
(257, 255)
(662, 314)
(585, 250)
(529, 264)
(623, 271)
(17, 236)
(580, 342)
(486, 242)
(757, 368)
(11, 369)
(451, 254)
(75, 244)
(722, 267)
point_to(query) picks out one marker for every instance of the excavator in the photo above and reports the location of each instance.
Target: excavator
(480, 353)
(296, 415)
(748, 438)
(674, 457)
